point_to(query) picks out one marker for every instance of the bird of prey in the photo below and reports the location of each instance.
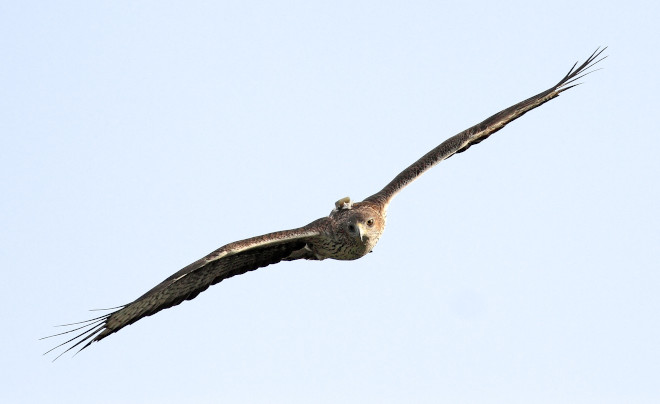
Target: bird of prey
(348, 233)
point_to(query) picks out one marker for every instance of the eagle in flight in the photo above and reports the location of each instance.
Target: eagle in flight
(348, 233)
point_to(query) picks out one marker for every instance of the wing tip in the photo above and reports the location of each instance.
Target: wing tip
(577, 72)
(93, 330)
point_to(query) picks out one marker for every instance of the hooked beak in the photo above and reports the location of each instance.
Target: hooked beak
(361, 231)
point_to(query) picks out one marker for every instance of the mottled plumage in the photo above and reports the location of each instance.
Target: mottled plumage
(348, 233)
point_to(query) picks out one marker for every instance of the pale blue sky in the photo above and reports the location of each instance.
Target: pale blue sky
(138, 136)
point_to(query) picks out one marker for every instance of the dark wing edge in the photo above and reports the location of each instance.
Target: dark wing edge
(477, 133)
(230, 260)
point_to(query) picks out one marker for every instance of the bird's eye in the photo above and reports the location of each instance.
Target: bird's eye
(351, 228)
(370, 222)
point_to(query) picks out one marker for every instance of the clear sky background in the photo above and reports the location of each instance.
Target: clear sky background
(136, 137)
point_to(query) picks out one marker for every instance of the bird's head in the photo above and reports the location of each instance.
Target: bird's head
(358, 227)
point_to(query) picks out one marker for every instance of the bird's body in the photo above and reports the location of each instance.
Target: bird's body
(348, 233)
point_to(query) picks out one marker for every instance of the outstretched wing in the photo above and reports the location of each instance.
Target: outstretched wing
(480, 131)
(232, 259)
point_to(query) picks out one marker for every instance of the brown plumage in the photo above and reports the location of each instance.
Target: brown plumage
(349, 232)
